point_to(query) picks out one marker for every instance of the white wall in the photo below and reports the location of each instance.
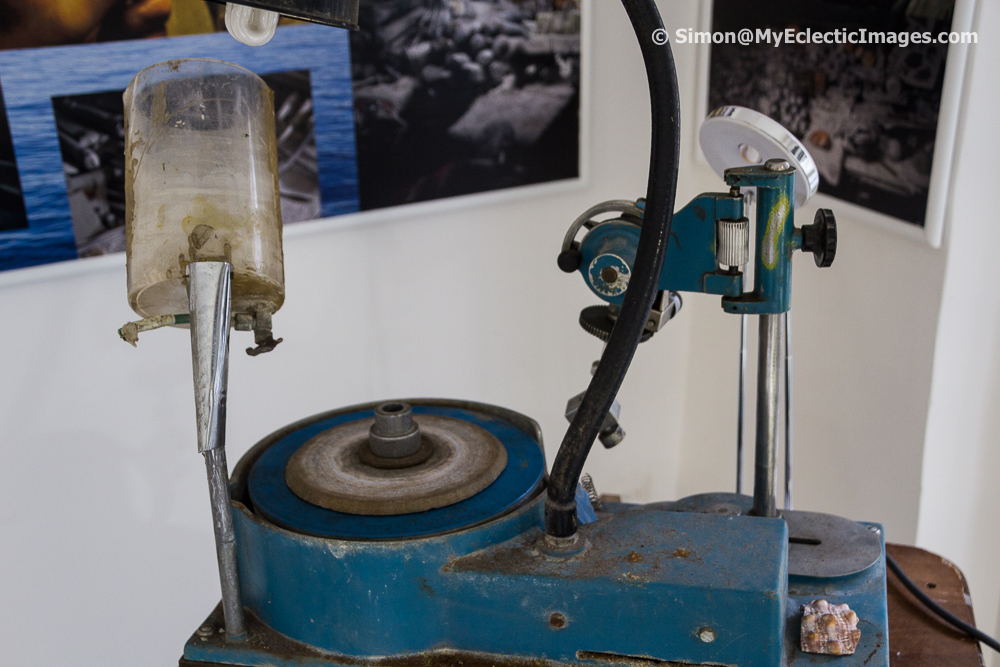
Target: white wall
(960, 497)
(107, 547)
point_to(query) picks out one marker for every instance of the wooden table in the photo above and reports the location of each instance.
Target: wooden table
(916, 637)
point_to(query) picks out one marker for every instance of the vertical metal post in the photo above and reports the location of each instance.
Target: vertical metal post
(766, 445)
(740, 408)
(210, 300)
(789, 415)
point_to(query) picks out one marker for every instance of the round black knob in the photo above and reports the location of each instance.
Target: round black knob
(569, 260)
(820, 238)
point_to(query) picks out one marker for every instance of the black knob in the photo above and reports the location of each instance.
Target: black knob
(820, 238)
(569, 260)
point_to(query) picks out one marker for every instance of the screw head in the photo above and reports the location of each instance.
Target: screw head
(557, 620)
(206, 631)
(706, 635)
(777, 164)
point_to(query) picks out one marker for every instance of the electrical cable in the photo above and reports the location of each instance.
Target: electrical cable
(941, 612)
(560, 505)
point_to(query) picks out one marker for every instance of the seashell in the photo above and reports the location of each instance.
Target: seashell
(829, 628)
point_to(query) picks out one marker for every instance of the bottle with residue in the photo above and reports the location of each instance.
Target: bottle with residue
(202, 185)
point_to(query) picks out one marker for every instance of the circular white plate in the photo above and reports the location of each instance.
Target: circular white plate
(738, 137)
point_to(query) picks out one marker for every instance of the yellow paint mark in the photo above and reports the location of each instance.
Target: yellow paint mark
(775, 225)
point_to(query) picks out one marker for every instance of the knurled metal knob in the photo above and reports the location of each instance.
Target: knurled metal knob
(732, 246)
(820, 238)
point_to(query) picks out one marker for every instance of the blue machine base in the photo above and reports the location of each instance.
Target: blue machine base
(649, 581)
(662, 584)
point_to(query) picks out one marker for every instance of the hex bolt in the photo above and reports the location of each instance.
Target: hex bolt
(777, 164)
(706, 635)
(394, 433)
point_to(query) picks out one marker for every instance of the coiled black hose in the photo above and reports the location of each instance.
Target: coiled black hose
(560, 508)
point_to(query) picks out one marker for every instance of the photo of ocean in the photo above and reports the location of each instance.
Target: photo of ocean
(32, 77)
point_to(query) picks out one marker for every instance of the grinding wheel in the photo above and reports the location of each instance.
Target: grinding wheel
(734, 136)
(329, 470)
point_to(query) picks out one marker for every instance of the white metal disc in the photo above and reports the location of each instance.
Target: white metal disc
(734, 136)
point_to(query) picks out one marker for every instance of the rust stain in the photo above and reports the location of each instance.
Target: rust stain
(634, 557)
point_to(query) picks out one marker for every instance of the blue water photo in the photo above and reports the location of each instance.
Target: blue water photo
(30, 78)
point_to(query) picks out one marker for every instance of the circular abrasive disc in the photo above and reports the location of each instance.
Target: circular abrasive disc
(739, 137)
(328, 471)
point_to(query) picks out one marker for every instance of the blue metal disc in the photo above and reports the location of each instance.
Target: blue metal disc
(273, 500)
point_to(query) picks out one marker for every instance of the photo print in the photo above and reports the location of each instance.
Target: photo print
(12, 212)
(453, 97)
(868, 113)
(91, 142)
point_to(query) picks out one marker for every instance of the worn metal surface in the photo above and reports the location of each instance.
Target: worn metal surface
(210, 301)
(824, 545)
(394, 434)
(690, 264)
(329, 471)
(766, 444)
(644, 584)
(225, 540)
(864, 590)
(272, 498)
(789, 411)
(775, 240)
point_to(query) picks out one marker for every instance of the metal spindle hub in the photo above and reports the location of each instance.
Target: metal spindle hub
(394, 433)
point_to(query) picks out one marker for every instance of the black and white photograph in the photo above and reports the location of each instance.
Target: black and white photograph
(91, 141)
(867, 113)
(463, 96)
(12, 213)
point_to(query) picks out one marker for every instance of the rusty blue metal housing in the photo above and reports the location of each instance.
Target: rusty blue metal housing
(691, 261)
(666, 583)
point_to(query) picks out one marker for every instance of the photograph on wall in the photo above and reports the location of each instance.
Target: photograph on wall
(12, 213)
(91, 140)
(462, 96)
(65, 111)
(430, 99)
(867, 113)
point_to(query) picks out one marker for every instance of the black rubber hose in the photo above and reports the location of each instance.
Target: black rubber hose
(560, 508)
(944, 614)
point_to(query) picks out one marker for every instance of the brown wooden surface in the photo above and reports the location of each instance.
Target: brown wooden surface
(916, 637)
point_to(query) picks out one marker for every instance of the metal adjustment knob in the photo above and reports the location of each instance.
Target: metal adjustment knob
(394, 433)
(820, 238)
(732, 242)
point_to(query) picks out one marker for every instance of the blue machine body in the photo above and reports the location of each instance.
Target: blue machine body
(690, 264)
(646, 583)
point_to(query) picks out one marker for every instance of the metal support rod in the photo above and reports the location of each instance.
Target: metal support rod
(741, 403)
(766, 445)
(210, 301)
(789, 414)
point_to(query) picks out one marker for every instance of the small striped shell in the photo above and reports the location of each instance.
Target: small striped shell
(829, 628)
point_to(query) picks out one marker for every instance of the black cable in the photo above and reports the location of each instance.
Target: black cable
(944, 614)
(560, 507)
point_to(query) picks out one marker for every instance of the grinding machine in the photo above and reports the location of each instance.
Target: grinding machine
(428, 531)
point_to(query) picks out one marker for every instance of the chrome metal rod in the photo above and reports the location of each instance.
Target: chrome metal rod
(225, 542)
(789, 414)
(210, 301)
(766, 445)
(741, 403)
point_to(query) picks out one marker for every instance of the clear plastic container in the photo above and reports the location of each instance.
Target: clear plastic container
(201, 184)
